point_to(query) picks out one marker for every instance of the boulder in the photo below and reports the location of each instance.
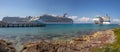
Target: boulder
(6, 46)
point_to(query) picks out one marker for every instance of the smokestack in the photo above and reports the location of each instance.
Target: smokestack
(64, 14)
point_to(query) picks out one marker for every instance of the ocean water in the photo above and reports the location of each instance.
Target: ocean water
(51, 31)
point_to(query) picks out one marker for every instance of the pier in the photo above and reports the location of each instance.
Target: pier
(3, 24)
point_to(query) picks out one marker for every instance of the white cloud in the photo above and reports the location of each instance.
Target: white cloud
(73, 17)
(115, 20)
(84, 19)
(76, 19)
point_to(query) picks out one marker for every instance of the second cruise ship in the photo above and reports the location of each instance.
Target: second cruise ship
(102, 20)
(53, 19)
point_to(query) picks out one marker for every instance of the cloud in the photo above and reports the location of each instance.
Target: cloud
(73, 17)
(76, 19)
(84, 19)
(116, 20)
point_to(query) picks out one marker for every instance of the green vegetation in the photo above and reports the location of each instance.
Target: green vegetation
(117, 39)
(114, 47)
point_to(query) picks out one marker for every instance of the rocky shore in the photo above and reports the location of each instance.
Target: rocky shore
(78, 44)
(6, 46)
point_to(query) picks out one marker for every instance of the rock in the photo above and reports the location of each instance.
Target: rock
(38, 47)
(64, 49)
(81, 38)
(6, 46)
(53, 46)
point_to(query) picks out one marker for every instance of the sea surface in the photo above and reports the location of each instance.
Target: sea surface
(51, 31)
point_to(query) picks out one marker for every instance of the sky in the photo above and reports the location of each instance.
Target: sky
(78, 10)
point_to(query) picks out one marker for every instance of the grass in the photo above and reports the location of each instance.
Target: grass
(114, 47)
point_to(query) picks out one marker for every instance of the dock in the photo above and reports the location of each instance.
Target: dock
(2, 24)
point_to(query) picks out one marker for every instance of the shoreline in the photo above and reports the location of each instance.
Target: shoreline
(84, 43)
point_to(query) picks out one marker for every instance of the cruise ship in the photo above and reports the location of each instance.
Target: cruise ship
(19, 22)
(106, 19)
(98, 20)
(102, 20)
(53, 19)
(9, 19)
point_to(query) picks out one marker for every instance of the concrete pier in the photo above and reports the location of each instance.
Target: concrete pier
(21, 24)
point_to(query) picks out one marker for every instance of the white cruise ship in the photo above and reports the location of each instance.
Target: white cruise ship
(52, 19)
(102, 20)
(106, 19)
(98, 20)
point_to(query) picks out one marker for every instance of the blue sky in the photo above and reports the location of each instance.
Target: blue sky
(79, 8)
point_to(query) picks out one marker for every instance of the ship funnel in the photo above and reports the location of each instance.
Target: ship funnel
(65, 15)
